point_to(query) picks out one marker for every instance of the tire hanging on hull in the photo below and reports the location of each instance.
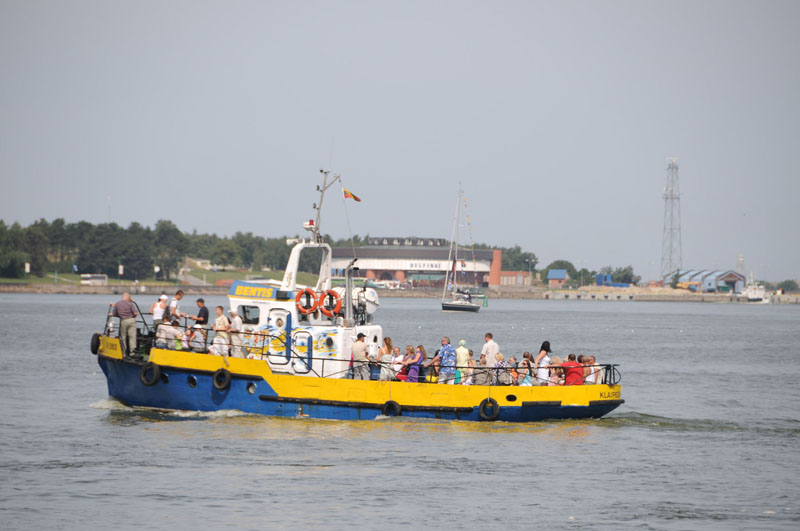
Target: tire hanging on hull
(489, 409)
(222, 379)
(150, 374)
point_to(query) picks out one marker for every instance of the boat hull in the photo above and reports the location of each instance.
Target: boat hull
(460, 307)
(187, 383)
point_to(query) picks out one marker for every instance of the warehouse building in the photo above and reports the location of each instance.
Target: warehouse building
(419, 261)
(712, 280)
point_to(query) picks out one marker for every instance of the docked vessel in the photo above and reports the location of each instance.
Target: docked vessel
(755, 292)
(295, 361)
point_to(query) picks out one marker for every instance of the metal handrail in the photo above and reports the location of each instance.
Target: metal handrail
(611, 374)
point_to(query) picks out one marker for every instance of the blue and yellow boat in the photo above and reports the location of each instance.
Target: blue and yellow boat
(293, 360)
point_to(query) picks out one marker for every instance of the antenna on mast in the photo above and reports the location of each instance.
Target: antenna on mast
(313, 225)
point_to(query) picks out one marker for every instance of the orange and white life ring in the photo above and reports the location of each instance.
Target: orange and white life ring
(311, 301)
(330, 310)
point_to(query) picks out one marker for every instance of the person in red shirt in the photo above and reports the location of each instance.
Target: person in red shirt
(574, 371)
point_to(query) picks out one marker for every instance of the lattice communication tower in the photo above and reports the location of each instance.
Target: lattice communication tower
(671, 241)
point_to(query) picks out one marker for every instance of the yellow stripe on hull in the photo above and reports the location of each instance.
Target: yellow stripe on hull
(379, 392)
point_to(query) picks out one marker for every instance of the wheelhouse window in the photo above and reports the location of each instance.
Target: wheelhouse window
(249, 314)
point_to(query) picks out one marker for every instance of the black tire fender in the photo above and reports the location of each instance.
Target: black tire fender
(489, 409)
(150, 373)
(391, 409)
(95, 344)
(222, 379)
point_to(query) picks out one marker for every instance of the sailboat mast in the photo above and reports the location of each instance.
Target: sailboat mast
(455, 253)
(453, 237)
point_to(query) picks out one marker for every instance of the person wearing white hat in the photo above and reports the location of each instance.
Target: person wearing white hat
(157, 309)
(236, 334)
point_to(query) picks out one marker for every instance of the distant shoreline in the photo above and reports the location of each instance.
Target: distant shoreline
(584, 294)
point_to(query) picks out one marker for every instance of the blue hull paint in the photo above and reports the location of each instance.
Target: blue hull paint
(177, 394)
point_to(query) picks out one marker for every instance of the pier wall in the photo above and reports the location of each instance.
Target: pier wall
(584, 294)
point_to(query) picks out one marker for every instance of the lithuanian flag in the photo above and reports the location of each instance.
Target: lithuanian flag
(350, 195)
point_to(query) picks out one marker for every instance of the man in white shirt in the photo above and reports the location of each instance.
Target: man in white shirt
(490, 349)
(236, 337)
(174, 306)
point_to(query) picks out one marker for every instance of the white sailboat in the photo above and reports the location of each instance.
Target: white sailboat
(459, 300)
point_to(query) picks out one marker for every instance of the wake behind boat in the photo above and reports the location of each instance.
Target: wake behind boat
(293, 356)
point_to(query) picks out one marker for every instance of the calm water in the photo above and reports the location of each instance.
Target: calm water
(708, 438)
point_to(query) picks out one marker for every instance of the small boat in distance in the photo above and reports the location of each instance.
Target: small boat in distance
(460, 300)
(755, 292)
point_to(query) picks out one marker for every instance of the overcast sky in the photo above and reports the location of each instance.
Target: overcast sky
(556, 116)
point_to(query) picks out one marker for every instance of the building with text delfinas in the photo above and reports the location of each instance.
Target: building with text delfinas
(419, 262)
(556, 278)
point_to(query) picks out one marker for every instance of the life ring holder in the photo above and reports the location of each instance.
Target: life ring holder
(391, 409)
(312, 304)
(489, 409)
(328, 311)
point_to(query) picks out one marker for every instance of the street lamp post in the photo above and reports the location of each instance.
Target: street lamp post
(530, 271)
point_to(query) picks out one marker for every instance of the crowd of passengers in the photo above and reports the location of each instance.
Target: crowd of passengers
(170, 335)
(449, 365)
(457, 365)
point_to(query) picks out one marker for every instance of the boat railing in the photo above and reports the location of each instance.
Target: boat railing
(280, 350)
(609, 374)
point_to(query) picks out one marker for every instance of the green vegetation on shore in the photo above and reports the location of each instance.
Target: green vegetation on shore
(62, 247)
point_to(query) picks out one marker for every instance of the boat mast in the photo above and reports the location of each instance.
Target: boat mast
(317, 238)
(453, 237)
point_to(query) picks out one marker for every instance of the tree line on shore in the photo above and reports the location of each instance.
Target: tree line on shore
(58, 246)
(83, 247)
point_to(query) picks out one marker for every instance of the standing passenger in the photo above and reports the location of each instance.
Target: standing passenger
(221, 325)
(490, 349)
(360, 360)
(462, 361)
(157, 309)
(385, 356)
(126, 311)
(202, 313)
(447, 356)
(236, 334)
(542, 363)
(175, 307)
